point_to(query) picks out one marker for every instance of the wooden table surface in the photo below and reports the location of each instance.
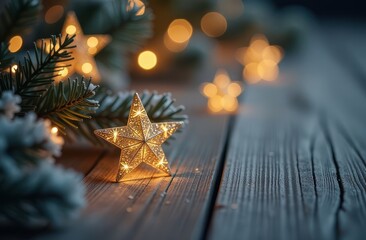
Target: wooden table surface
(291, 164)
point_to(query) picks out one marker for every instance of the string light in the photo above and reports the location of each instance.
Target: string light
(147, 60)
(140, 141)
(178, 35)
(14, 68)
(260, 60)
(213, 24)
(15, 43)
(180, 31)
(54, 130)
(222, 93)
(86, 67)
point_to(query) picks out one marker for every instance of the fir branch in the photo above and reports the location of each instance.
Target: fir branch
(34, 76)
(18, 17)
(67, 104)
(5, 57)
(114, 110)
(129, 29)
(128, 32)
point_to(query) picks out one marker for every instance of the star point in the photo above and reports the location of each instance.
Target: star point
(140, 140)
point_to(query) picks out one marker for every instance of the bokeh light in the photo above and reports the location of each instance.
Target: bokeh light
(14, 68)
(222, 93)
(87, 67)
(260, 60)
(15, 43)
(174, 46)
(64, 72)
(54, 130)
(92, 42)
(53, 14)
(213, 24)
(147, 60)
(71, 29)
(180, 31)
(209, 90)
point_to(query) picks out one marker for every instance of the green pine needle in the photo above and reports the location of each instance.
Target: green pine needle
(128, 29)
(5, 57)
(67, 104)
(34, 76)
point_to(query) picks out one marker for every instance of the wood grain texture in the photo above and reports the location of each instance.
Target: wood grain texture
(81, 159)
(304, 179)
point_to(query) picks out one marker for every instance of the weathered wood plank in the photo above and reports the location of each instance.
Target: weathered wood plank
(274, 186)
(79, 158)
(310, 183)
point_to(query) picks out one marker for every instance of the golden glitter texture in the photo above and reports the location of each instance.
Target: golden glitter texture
(140, 141)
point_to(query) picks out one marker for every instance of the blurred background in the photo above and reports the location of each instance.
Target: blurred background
(191, 41)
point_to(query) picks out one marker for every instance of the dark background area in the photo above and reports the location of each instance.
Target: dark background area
(329, 8)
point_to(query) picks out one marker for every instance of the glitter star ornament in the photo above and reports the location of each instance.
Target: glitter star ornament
(140, 141)
(87, 46)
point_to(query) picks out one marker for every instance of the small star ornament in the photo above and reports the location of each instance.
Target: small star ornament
(87, 46)
(140, 141)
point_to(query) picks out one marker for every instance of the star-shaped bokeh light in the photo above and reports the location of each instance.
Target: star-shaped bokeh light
(140, 141)
(260, 60)
(87, 46)
(222, 93)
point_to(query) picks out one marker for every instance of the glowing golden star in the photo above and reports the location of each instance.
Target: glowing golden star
(86, 47)
(140, 141)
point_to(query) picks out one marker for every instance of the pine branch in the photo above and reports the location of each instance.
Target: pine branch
(34, 76)
(129, 29)
(18, 17)
(114, 110)
(128, 33)
(5, 58)
(67, 104)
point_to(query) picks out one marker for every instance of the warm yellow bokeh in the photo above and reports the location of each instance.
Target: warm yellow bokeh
(213, 24)
(92, 42)
(222, 93)
(15, 43)
(234, 89)
(87, 67)
(54, 130)
(64, 72)
(14, 68)
(180, 31)
(260, 60)
(222, 79)
(53, 14)
(209, 90)
(71, 29)
(174, 46)
(147, 60)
